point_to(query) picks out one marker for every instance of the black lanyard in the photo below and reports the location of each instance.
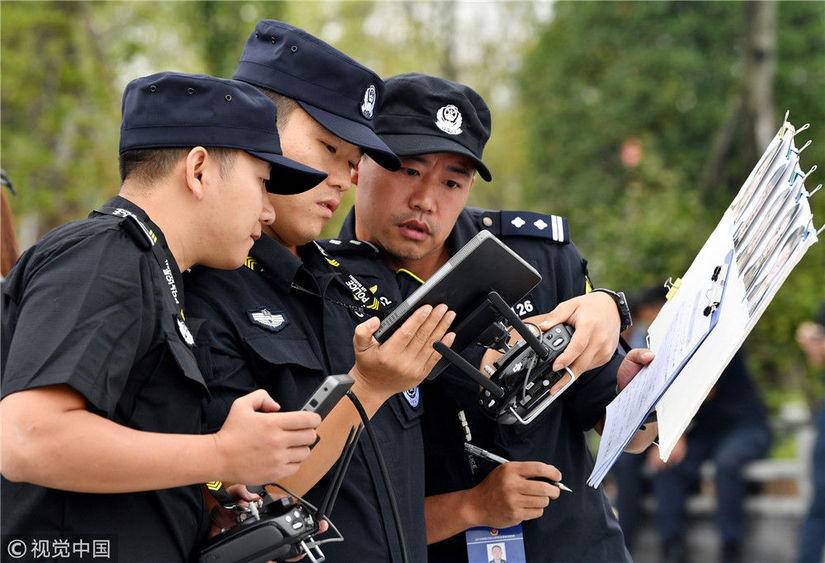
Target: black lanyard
(380, 306)
(370, 304)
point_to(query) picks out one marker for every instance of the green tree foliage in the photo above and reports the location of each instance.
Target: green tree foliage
(663, 75)
(59, 115)
(658, 74)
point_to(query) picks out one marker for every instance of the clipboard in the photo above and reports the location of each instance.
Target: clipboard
(768, 227)
(640, 400)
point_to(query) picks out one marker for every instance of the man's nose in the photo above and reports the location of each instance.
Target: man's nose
(424, 198)
(268, 211)
(340, 177)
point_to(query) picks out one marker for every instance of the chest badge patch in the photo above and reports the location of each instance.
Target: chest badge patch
(413, 396)
(264, 318)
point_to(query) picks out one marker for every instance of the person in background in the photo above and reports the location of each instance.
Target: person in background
(9, 249)
(731, 429)
(629, 468)
(811, 338)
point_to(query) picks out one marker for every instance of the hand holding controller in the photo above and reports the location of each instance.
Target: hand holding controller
(529, 381)
(278, 532)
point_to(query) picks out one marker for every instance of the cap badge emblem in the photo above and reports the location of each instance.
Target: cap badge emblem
(368, 105)
(448, 119)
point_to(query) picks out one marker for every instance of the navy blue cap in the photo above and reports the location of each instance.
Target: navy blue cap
(425, 114)
(341, 94)
(173, 109)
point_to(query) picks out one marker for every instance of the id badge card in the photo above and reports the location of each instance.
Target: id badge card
(495, 545)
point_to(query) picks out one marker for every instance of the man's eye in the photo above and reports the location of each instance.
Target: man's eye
(330, 148)
(411, 171)
(452, 184)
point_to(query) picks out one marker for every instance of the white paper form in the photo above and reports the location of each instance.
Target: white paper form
(766, 250)
(684, 397)
(766, 230)
(630, 408)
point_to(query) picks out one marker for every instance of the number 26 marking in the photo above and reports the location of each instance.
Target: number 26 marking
(524, 308)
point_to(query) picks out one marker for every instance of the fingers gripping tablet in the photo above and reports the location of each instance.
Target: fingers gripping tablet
(483, 265)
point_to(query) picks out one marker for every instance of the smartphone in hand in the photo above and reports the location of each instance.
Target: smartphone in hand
(327, 395)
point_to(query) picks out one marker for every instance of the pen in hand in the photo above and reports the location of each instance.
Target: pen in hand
(484, 454)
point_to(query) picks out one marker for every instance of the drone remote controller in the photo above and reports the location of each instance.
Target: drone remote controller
(530, 385)
(282, 530)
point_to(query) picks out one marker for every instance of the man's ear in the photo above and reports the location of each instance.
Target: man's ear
(196, 164)
(353, 172)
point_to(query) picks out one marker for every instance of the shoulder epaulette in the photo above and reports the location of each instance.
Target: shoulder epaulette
(144, 238)
(337, 246)
(524, 223)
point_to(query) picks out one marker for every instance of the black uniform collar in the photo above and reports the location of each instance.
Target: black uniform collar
(280, 264)
(464, 229)
(347, 231)
(462, 232)
(158, 237)
(123, 203)
(137, 211)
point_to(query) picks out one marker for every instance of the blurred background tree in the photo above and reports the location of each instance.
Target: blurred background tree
(643, 133)
(636, 120)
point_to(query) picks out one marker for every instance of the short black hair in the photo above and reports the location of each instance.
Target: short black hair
(151, 165)
(284, 106)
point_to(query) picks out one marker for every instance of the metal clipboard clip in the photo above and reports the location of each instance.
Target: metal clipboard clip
(714, 293)
(672, 287)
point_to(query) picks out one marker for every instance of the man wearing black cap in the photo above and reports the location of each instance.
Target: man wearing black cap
(416, 218)
(286, 320)
(101, 411)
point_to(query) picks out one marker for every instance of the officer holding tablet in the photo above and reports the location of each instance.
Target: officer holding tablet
(415, 219)
(283, 322)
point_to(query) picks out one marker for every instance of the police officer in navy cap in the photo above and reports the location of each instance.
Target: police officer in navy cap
(101, 408)
(286, 320)
(415, 219)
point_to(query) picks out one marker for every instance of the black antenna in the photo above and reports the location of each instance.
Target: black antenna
(467, 369)
(340, 471)
(527, 334)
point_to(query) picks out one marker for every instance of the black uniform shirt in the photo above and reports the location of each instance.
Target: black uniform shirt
(88, 306)
(260, 332)
(575, 527)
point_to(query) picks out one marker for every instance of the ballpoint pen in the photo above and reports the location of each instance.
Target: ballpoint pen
(484, 454)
